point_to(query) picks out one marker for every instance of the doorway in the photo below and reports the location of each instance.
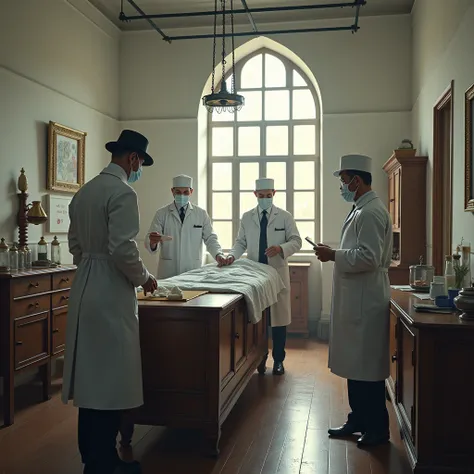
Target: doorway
(442, 179)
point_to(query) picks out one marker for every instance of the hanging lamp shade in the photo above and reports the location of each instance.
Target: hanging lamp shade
(223, 101)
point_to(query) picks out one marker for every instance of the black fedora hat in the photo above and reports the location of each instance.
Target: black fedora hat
(130, 140)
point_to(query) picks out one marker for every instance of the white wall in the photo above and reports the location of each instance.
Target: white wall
(366, 108)
(55, 64)
(442, 51)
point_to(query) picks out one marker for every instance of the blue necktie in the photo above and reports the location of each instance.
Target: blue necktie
(262, 258)
(182, 214)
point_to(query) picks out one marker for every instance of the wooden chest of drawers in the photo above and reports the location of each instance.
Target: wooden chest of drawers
(299, 273)
(33, 311)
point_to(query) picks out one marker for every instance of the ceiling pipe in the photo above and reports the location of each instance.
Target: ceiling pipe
(249, 15)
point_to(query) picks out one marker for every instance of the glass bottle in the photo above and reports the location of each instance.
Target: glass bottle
(21, 258)
(13, 258)
(466, 260)
(4, 256)
(56, 251)
(449, 275)
(42, 250)
(28, 258)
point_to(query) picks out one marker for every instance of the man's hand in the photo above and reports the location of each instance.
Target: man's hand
(150, 286)
(272, 251)
(230, 260)
(221, 260)
(155, 239)
(324, 253)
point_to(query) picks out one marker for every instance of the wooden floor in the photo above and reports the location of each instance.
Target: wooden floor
(279, 425)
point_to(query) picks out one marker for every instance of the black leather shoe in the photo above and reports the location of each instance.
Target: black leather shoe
(278, 368)
(372, 439)
(345, 430)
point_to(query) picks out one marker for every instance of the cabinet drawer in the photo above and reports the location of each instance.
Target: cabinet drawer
(296, 273)
(30, 305)
(296, 307)
(31, 340)
(63, 280)
(58, 330)
(59, 299)
(31, 285)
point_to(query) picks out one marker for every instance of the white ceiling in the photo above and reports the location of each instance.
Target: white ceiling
(111, 9)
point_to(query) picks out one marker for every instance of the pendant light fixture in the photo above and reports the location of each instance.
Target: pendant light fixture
(223, 101)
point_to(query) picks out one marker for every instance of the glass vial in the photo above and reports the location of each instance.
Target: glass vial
(4, 257)
(449, 275)
(21, 258)
(56, 251)
(13, 258)
(42, 250)
(28, 258)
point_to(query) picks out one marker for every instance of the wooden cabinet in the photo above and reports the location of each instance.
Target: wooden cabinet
(33, 312)
(407, 207)
(197, 358)
(299, 274)
(432, 386)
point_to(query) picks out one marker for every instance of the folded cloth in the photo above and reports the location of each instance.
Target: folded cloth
(259, 284)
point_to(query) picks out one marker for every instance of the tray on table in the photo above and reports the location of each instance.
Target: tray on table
(187, 296)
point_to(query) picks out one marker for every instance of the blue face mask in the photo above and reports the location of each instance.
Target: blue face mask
(134, 175)
(181, 200)
(346, 193)
(265, 203)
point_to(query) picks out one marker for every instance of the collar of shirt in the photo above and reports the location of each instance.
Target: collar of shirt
(179, 208)
(260, 211)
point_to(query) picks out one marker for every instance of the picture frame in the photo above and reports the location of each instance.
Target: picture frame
(58, 214)
(469, 150)
(66, 158)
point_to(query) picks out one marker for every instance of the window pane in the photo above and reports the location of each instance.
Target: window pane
(252, 109)
(303, 104)
(247, 201)
(280, 199)
(277, 105)
(275, 72)
(248, 175)
(304, 175)
(277, 140)
(304, 205)
(304, 140)
(224, 233)
(306, 229)
(252, 73)
(298, 80)
(277, 171)
(222, 141)
(222, 176)
(249, 141)
(221, 205)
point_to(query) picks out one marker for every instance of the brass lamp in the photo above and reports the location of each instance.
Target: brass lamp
(32, 213)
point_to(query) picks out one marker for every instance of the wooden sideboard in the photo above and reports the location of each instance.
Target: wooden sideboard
(197, 358)
(33, 311)
(299, 275)
(431, 386)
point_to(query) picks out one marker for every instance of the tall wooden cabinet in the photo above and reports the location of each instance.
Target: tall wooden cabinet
(299, 276)
(431, 386)
(407, 206)
(33, 312)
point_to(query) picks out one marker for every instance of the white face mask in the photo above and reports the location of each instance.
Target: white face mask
(346, 193)
(265, 203)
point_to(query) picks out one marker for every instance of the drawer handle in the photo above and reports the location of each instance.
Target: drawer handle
(19, 343)
(297, 297)
(55, 330)
(64, 297)
(36, 305)
(237, 335)
(394, 357)
(34, 285)
(65, 280)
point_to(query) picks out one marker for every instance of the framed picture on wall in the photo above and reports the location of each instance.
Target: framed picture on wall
(469, 159)
(66, 158)
(58, 214)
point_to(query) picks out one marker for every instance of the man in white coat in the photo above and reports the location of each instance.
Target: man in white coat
(269, 235)
(359, 335)
(178, 231)
(102, 370)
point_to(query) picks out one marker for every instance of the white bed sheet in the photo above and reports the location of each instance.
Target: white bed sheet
(259, 284)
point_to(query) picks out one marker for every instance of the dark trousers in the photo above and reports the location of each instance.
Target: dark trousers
(97, 436)
(368, 404)
(279, 342)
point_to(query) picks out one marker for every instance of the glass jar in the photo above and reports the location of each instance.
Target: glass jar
(421, 276)
(21, 258)
(56, 251)
(449, 276)
(13, 258)
(42, 250)
(28, 258)
(4, 256)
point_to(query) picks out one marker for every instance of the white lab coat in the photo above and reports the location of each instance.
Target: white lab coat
(359, 331)
(102, 368)
(184, 252)
(282, 231)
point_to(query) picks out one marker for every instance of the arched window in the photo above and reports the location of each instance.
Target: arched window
(275, 135)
